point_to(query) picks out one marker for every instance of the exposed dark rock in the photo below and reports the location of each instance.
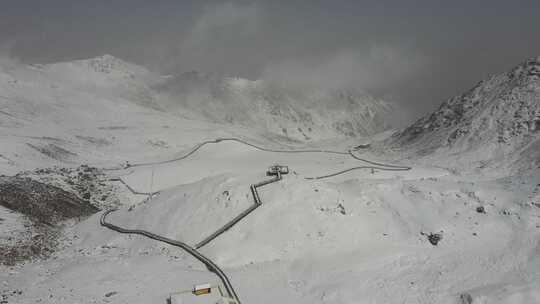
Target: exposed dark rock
(28, 248)
(54, 151)
(433, 238)
(341, 209)
(465, 298)
(85, 182)
(45, 206)
(110, 294)
(41, 202)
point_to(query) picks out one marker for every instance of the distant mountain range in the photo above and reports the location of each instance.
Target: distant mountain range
(302, 114)
(496, 122)
(298, 114)
(83, 110)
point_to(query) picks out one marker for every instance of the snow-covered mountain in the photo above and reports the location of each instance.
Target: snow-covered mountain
(106, 76)
(288, 112)
(497, 121)
(302, 114)
(55, 112)
(425, 235)
(82, 111)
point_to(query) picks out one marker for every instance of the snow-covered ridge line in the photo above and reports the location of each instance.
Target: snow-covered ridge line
(288, 112)
(498, 120)
(300, 113)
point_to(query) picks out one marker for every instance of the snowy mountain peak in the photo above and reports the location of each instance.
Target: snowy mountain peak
(498, 117)
(528, 69)
(108, 63)
(101, 67)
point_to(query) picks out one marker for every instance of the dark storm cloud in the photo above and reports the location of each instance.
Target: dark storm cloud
(415, 52)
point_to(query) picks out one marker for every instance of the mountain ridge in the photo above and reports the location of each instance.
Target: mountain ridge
(301, 114)
(497, 119)
(297, 113)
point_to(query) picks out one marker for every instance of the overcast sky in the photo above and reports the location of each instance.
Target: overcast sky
(418, 53)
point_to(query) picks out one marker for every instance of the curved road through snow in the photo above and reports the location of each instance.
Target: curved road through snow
(257, 201)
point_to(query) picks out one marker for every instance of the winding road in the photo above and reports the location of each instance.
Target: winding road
(276, 171)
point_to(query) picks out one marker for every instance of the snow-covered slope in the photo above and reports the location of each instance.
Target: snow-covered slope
(357, 238)
(106, 76)
(88, 111)
(360, 237)
(497, 121)
(300, 113)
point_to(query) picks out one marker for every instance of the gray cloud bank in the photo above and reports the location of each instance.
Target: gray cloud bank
(415, 52)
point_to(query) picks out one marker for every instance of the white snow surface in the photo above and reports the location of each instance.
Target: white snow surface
(355, 238)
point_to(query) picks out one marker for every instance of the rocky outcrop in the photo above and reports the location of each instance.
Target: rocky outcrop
(41, 202)
(499, 117)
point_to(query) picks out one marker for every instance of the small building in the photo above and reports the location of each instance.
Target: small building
(277, 170)
(201, 294)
